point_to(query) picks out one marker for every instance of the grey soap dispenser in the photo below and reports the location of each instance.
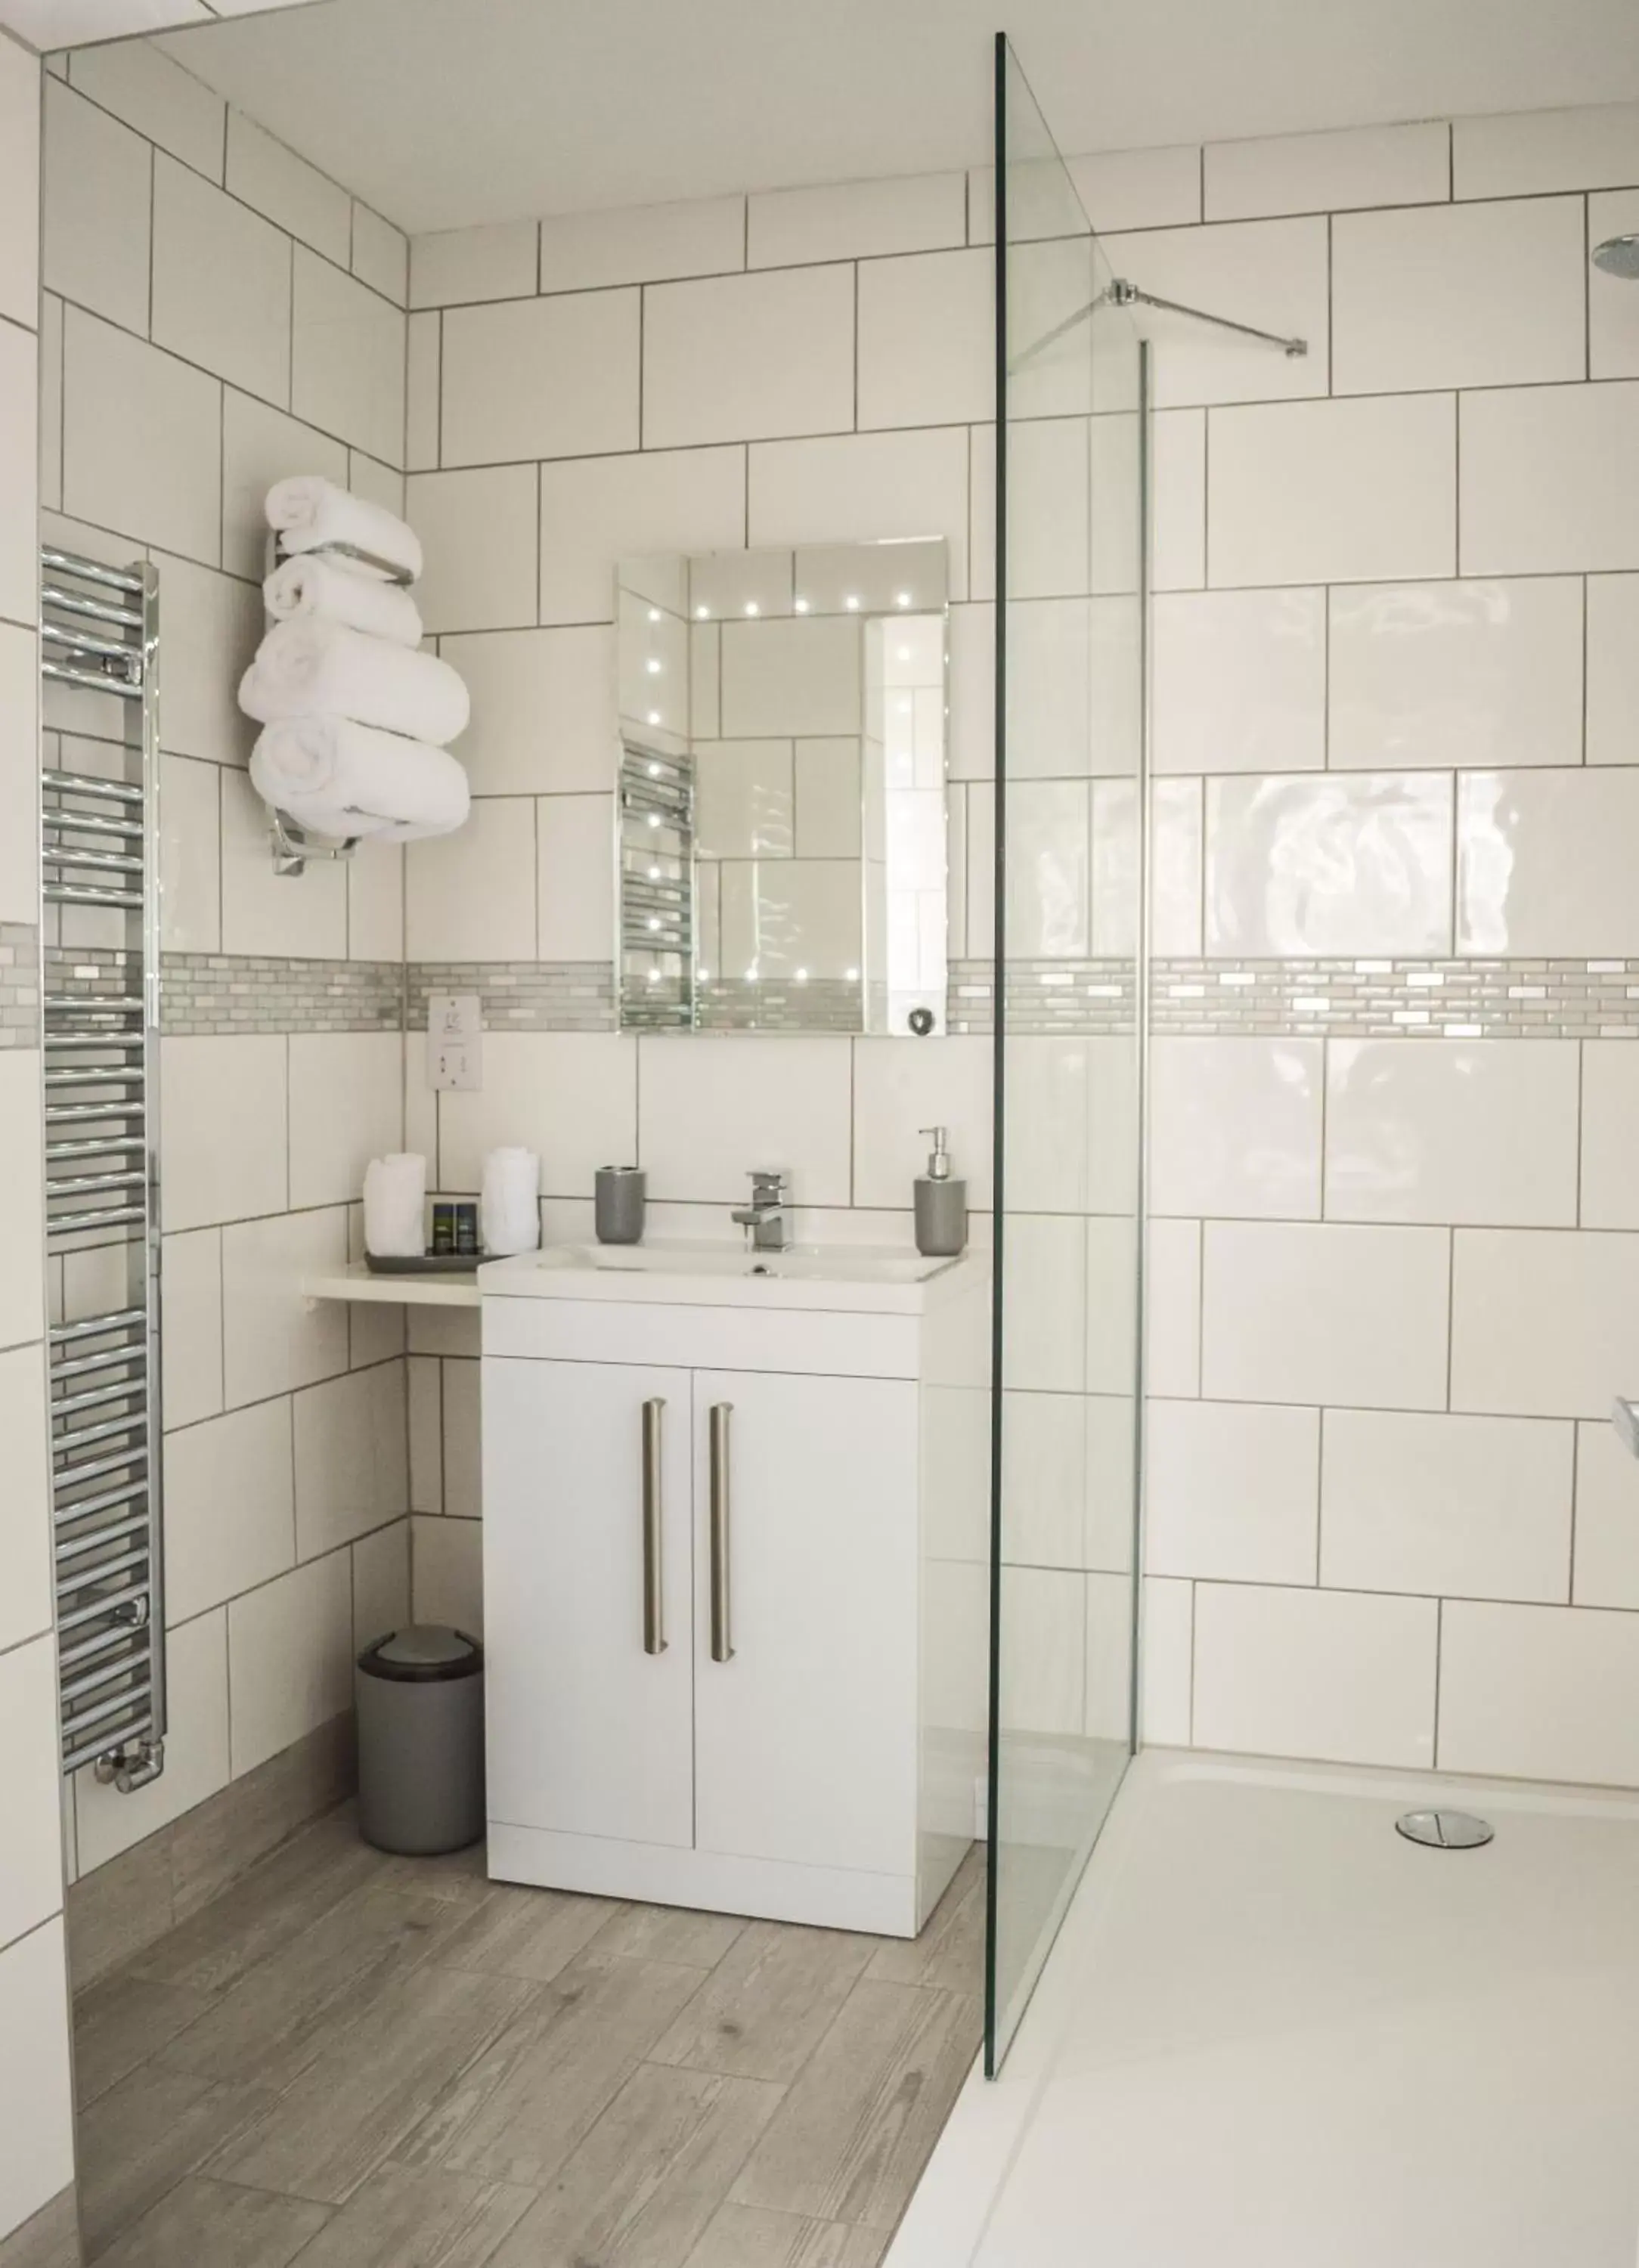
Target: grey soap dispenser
(941, 1204)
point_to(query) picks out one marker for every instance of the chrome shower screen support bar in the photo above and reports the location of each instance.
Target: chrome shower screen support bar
(1121, 293)
(99, 912)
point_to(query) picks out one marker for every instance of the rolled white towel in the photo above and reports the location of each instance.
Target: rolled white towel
(310, 668)
(396, 1206)
(308, 511)
(331, 591)
(509, 1208)
(372, 782)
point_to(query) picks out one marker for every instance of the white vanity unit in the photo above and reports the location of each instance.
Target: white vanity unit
(734, 1575)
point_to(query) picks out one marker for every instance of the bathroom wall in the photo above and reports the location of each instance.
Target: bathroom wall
(36, 2117)
(217, 314)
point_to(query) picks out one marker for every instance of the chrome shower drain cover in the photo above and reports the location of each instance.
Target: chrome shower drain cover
(1445, 1830)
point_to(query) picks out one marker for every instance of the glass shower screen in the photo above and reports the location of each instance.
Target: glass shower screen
(1068, 993)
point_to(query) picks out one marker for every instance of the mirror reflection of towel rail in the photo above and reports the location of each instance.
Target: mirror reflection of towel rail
(1625, 1419)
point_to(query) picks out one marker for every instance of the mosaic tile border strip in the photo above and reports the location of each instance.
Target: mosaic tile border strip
(221, 994)
(19, 985)
(1498, 998)
(519, 996)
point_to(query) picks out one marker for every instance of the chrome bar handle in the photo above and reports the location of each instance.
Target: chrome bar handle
(654, 1600)
(722, 1642)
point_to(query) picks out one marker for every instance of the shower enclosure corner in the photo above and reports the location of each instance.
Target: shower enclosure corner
(1070, 856)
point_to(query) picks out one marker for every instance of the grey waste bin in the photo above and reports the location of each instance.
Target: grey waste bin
(420, 1698)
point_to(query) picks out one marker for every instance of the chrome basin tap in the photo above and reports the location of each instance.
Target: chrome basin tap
(766, 1217)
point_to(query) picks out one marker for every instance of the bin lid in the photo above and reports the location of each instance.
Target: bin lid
(422, 1653)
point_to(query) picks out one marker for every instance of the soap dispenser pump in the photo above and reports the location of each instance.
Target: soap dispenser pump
(941, 1204)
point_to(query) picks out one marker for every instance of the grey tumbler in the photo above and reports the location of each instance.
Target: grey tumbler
(420, 1698)
(619, 1207)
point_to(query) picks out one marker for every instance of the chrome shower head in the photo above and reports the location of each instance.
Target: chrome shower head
(1619, 255)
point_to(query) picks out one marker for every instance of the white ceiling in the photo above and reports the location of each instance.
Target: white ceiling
(443, 112)
(50, 24)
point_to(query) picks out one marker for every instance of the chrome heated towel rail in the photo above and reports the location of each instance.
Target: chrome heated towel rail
(99, 887)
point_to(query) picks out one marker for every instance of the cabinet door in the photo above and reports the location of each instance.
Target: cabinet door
(588, 1732)
(805, 1738)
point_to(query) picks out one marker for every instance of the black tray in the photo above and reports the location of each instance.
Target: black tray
(429, 1263)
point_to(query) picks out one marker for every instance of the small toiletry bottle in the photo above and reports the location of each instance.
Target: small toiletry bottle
(941, 1204)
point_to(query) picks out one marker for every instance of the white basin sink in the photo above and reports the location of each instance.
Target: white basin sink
(720, 1274)
(809, 1263)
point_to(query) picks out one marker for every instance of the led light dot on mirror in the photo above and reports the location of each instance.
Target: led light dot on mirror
(702, 614)
(851, 601)
(653, 666)
(654, 614)
(801, 605)
(902, 599)
(800, 974)
(752, 607)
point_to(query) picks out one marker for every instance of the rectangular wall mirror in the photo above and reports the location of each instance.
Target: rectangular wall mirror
(782, 820)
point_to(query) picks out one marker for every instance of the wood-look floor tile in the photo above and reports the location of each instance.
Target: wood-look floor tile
(300, 2001)
(649, 2176)
(699, 1940)
(768, 2002)
(122, 2021)
(950, 1952)
(853, 2135)
(522, 2106)
(264, 1911)
(401, 2218)
(376, 2084)
(746, 2236)
(206, 2224)
(116, 1911)
(222, 1838)
(140, 2139)
(49, 2238)
(531, 1933)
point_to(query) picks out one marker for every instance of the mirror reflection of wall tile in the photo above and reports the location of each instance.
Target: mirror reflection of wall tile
(827, 782)
(799, 676)
(743, 799)
(796, 917)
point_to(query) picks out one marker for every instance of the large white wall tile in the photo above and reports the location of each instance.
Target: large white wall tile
(1042, 1644)
(347, 1106)
(1335, 864)
(26, 1508)
(381, 254)
(221, 284)
(1539, 1692)
(351, 1453)
(1610, 1135)
(222, 1104)
(425, 1427)
(31, 1881)
(274, 1336)
(471, 896)
(925, 333)
(375, 903)
(1166, 1651)
(1460, 295)
(596, 512)
(1295, 1313)
(261, 445)
(1481, 1132)
(212, 626)
(381, 1584)
(527, 1077)
(575, 871)
(50, 386)
(1550, 479)
(447, 1559)
(1613, 669)
(1235, 1129)
(95, 202)
(19, 764)
(480, 535)
(139, 83)
(855, 220)
(142, 440)
(424, 354)
(1044, 1480)
(463, 1440)
(1480, 1507)
(1606, 1569)
(715, 1107)
(747, 357)
(230, 1508)
(1340, 1675)
(1109, 1293)
(643, 243)
(1272, 273)
(36, 2091)
(1525, 154)
(1173, 1272)
(289, 1658)
(262, 912)
(304, 201)
(106, 1822)
(1178, 458)
(348, 366)
(1327, 172)
(191, 1342)
(897, 1090)
(1335, 492)
(1232, 1490)
(1239, 681)
(1542, 863)
(1052, 1158)
(1131, 188)
(456, 265)
(541, 377)
(1542, 1321)
(1048, 875)
(1612, 318)
(861, 488)
(1443, 674)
